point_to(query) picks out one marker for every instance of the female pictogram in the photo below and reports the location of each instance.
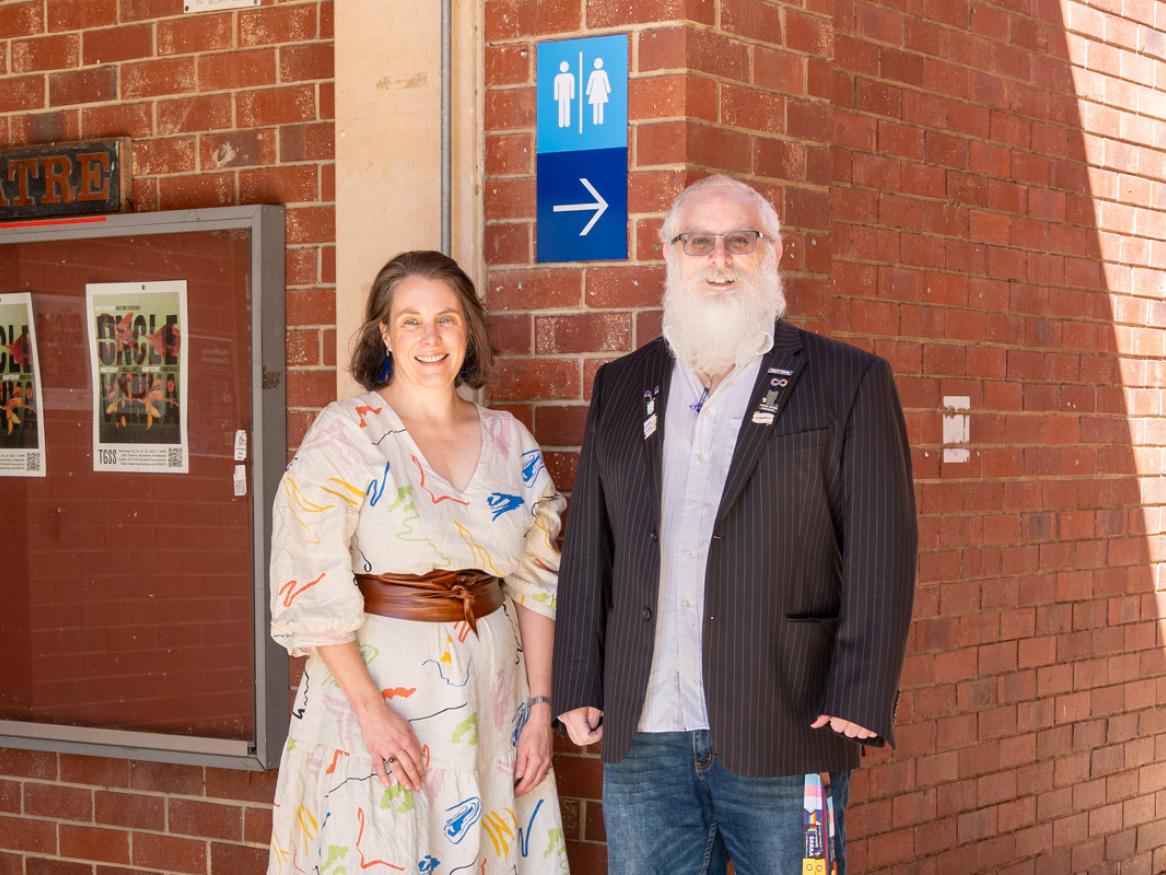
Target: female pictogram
(598, 91)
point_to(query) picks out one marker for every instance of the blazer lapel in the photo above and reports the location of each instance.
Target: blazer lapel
(780, 370)
(654, 401)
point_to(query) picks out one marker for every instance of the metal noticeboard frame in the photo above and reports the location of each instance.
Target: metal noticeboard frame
(268, 439)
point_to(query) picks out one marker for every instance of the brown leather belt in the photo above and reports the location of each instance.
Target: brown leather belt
(436, 597)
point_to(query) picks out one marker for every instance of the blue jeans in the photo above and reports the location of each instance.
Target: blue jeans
(671, 808)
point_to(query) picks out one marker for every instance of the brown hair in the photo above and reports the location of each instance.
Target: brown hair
(369, 354)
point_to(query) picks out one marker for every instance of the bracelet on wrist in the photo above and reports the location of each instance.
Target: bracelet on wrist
(535, 700)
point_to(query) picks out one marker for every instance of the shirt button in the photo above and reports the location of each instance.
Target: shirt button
(646, 613)
(700, 458)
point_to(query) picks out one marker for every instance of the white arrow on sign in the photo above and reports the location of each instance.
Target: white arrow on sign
(599, 205)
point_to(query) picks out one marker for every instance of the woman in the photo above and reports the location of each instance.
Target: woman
(414, 562)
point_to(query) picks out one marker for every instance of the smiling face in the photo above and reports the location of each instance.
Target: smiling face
(718, 211)
(425, 332)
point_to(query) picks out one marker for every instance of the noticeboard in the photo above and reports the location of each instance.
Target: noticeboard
(141, 379)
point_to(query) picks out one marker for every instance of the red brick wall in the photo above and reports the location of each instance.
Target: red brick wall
(999, 233)
(223, 108)
(969, 188)
(75, 815)
(973, 190)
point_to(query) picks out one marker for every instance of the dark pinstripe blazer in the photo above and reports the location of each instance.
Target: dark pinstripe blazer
(811, 569)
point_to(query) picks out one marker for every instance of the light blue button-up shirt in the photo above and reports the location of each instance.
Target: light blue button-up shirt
(698, 448)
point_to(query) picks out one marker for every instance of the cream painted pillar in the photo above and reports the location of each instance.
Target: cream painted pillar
(388, 145)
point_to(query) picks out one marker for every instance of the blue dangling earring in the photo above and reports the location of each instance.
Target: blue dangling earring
(467, 371)
(385, 374)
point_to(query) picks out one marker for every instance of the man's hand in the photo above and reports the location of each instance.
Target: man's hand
(843, 727)
(583, 725)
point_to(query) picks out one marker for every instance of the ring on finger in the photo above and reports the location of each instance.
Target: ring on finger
(390, 759)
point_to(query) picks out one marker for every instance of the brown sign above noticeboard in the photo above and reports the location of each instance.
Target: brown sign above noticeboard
(65, 179)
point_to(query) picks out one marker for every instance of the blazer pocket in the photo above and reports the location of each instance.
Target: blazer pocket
(800, 440)
(806, 645)
(827, 622)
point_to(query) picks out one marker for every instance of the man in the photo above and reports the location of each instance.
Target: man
(736, 585)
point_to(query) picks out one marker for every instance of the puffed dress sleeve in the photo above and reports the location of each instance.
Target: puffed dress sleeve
(314, 599)
(534, 582)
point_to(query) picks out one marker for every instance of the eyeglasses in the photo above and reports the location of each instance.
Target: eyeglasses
(740, 242)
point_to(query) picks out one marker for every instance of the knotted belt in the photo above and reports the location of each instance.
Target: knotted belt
(436, 597)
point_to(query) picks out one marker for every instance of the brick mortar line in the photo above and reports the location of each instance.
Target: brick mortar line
(636, 28)
(124, 827)
(129, 830)
(971, 514)
(988, 244)
(242, 805)
(949, 272)
(1070, 129)
(1043, 478)
(1135, 294)
(179, 95)
(686, 72)
(847, 221)
(953, 61)
(1048, 121)
(1061, 26)
(971, 138)
(1009, 347)
(155, 59)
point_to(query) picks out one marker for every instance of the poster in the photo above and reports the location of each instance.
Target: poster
(22, 427)
(136, 346)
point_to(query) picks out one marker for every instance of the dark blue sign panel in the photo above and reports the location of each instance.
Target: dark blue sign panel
(583, 205)
(582, 125)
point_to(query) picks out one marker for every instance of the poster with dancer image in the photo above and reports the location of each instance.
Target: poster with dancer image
(22, 427)
(139, 360)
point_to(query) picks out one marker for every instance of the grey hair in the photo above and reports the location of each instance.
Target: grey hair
(771, 225)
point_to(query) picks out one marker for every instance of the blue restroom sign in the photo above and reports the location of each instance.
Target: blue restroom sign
(582, 149)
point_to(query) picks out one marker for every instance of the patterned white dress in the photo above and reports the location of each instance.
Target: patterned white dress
(359, 496)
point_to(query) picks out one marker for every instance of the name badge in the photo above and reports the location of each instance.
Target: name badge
(650, 411)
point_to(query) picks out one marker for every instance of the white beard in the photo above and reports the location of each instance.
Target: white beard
(713, 333)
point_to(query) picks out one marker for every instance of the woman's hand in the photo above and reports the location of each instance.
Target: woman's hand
(388, 736)
(393, 746)
(532, 758)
